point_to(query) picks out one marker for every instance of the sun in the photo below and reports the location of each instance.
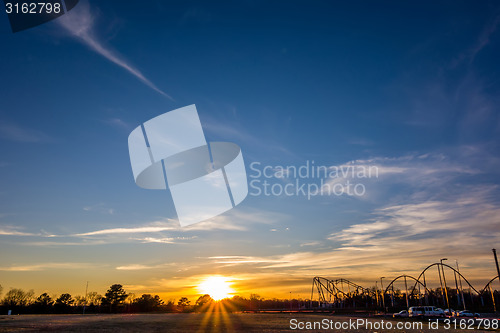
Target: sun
(218, 287)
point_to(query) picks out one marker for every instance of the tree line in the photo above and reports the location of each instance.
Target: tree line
(117, 300)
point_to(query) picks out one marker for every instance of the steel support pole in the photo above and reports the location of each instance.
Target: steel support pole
(445, 289)
(406, 288)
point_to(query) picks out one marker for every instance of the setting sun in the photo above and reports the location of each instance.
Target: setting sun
(217, 287)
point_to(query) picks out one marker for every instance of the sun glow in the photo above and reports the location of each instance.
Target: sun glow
(218, 287)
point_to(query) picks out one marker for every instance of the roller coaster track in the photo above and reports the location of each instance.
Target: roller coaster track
(339, 290)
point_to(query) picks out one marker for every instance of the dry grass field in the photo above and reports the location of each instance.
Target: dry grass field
(194, 322)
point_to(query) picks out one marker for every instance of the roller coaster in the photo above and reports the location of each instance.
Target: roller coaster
(343, 293)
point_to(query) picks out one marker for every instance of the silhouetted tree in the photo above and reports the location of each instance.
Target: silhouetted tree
(79, 300)
(131, 299)
(43, 304)
(170, 306)
(44, 300)
(65, 300)
(203, 302)
(115, 296)
(94, 299)
(63, 303)
(18, 298)
(183, 303)
(237, 303)
(255, 301)
(147, 303)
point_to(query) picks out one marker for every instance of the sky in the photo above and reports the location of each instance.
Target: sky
(409, 89)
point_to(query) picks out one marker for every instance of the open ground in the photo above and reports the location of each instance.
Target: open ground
(198, 322)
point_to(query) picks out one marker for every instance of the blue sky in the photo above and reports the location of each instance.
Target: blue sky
(411, 88)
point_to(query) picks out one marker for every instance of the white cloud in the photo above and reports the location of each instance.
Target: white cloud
(133, 230)
(65, 243)
(165, 240)
(80, 24)
(45, 266)
(470, 213)
(119, 123)
(100, 208)
(236, 220)
(445, 205)
(414, 170)
(140, 267)
(313, 243)
(244, 260)
(400, 239)
(8, 230)
(221, 128)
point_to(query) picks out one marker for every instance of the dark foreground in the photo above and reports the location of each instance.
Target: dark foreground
(207, 322)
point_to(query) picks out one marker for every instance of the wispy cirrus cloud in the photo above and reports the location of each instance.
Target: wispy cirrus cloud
(235, 260)
(132, 230)
(62, 242)
(480, 43)
(100, 208)
(152, 232)
(140, 267)
(14, 132)
(414, 172)
(9, 230)
(455, 98)
(118, 123)
(449, 219)
(165, 240)
(399, 239)
(46, 266)
(235, 220)
(448, 208)
(80, 23)
(216, 128)
(156, 227)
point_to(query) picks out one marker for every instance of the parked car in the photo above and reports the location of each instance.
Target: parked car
(401, 314)
(425, 311)
(450, 312)
(467, 313)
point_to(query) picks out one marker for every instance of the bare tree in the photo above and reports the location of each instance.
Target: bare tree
(18, 297)
(79, 300)
(93, 298)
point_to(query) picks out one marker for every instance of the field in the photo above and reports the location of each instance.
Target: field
(201, 322)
